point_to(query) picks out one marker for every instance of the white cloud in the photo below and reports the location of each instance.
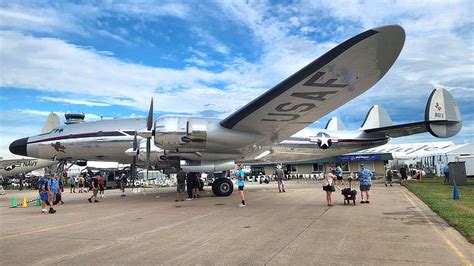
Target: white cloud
(72, 101)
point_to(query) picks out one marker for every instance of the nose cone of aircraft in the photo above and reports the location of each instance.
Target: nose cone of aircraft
(18, 147)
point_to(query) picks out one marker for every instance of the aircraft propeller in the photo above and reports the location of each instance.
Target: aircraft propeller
(148, 133)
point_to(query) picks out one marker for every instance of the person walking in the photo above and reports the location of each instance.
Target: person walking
(180, 185)
(241, 184)
(53, 188)
(329, 178)
(95, 189)
(280, 176)
(388, 177)
(446, 174)
(43, 193)
(365, 179)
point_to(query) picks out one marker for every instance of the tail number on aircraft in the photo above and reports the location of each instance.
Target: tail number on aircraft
(285, 112)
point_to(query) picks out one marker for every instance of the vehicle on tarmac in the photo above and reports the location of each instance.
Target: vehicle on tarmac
(271, 128)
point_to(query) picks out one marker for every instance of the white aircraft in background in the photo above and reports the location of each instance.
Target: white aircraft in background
(271, 128)
(15, 167)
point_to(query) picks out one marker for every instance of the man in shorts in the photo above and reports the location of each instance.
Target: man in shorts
(53, 188)
(43, 192)
(280, 176)
(180, 185)
(365, 179)
(94, 188)
(241, 184)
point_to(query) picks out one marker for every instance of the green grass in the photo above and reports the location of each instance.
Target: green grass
(439, 197)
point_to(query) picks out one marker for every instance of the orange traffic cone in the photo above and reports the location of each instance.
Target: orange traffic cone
(25, 203)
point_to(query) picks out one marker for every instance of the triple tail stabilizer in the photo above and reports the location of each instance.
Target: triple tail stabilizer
(442, 119)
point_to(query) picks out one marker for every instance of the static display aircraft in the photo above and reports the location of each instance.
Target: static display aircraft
(271, 128)
(19, 166)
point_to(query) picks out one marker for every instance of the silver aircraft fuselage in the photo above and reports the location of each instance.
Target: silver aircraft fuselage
(195, 139)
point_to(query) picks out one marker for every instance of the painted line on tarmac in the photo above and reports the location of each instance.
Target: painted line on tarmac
(67, 225)
(446, 240)
(134, 238)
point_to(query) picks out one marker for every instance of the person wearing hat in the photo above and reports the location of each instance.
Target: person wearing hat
(365, 179)
(279, 176)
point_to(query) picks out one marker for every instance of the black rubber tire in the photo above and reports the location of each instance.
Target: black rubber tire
(222, 187)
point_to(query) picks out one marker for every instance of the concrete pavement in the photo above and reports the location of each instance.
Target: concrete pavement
(295, 227)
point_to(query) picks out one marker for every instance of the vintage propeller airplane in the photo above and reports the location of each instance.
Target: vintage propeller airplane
(271, 128)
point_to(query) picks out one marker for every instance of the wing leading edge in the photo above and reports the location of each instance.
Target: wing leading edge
(330, 81)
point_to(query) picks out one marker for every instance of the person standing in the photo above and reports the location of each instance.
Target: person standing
(101, 186)
(241, 184)
(365, 179)
(339, 178)
(196, 184)
(329, 178)
(190, 185)
(72, 183)
(403, 173)
(95, 189)
(123, 184)
(446, 173)
(81, 183)
(388, 177)
(280, 176)
(180, 183)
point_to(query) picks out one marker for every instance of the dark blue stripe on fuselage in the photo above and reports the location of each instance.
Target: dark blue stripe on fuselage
(82, 135)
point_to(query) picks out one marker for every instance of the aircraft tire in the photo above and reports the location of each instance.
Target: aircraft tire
(222, 187)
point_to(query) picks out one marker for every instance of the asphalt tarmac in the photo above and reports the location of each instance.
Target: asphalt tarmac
(292, 228)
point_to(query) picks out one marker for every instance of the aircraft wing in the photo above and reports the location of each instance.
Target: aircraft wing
(330, 81)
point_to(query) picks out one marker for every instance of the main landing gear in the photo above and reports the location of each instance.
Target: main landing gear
(222, 187)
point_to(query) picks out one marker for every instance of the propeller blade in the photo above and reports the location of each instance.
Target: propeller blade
(148, 143)
(133, 167)
(135, 142)
(149, 119)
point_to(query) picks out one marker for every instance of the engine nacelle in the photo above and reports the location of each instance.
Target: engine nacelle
(192, 134)
(180, 134)
(207, 166)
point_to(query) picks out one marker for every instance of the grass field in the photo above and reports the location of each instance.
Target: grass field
(439, 197)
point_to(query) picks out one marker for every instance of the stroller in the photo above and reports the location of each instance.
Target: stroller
(349, 193)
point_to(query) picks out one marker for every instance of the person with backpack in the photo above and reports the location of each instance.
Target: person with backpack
(43, 193)
(53, 189)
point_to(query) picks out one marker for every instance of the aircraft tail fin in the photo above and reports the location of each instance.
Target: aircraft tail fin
(377, 117)
(335, 124)
(51, 123)
(442, 119)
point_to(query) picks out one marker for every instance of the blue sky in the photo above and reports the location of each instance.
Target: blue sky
(208, 58)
